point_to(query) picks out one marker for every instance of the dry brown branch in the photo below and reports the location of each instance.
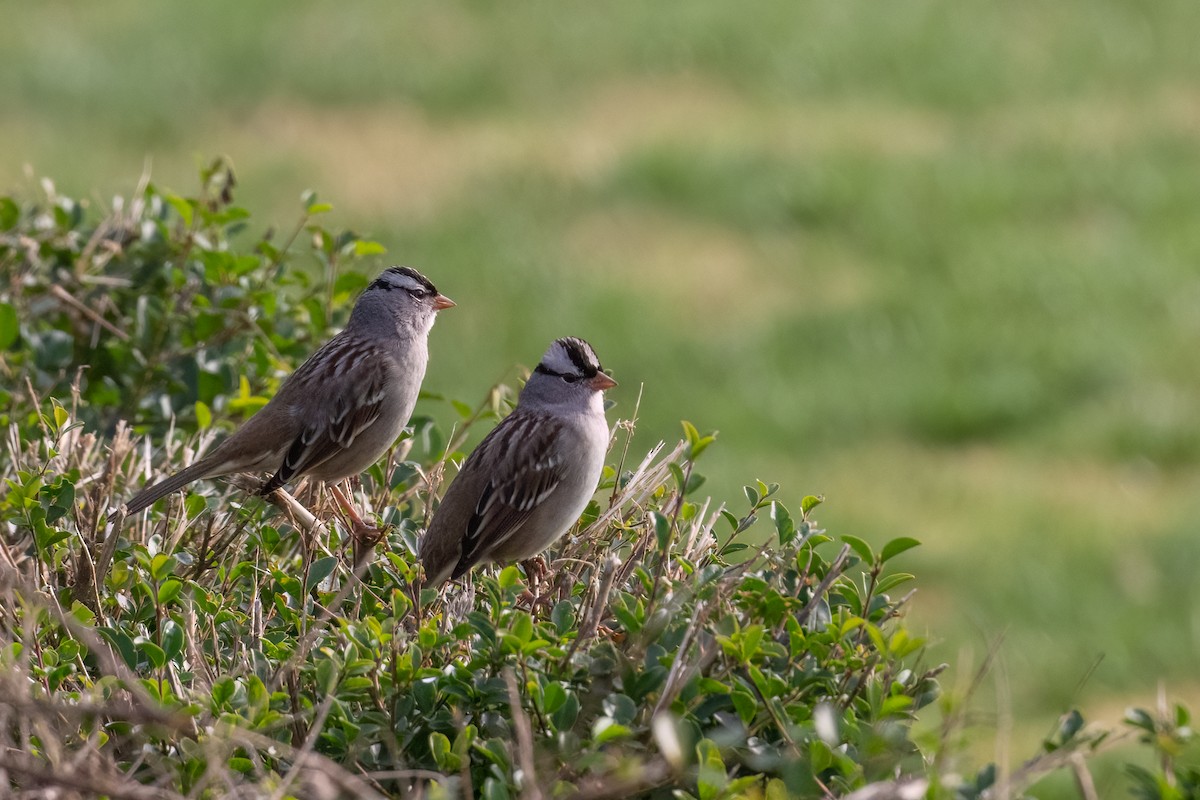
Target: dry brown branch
(520, 720)
(312, 765)
(835, 570)
(649, 775)
(96, 780)
(70, 299)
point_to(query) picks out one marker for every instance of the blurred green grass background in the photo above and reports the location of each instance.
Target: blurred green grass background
(939, 262)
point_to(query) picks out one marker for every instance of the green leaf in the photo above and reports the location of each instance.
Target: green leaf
(819, 755)
(1140, 718)
(785, 528)
(123, 644)
(82, 613)
(677, 474)
(606, 729)
(895, 706)
(10, 329)
(563, 616)
(1069, 725)
(510, 576)
(182, 207)
(662, 530)
(318, 208)
(566, 716)
(861, 547)
(257, 698)
(777, 790)
(327, 675)
(194, 505)
(223, 691)
(711, 777)
(620, 708)
(241, 764)
(446, 760)
(161, 566)
(365, 247)
(172, 639)
(203, 415)
(495, 751)
(698, 443)
(751, 638)
(810, 502)
(553, 698)
(69, 650)
(889, 582)
(522, 627)
(155, 654)
(897, 546)
(168, 591)
(10, 214)
(738, 786)
(319, 571)
(746, 706)
(494, 789)
(463, 741)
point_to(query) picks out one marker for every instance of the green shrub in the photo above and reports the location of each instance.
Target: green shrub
(217, 646)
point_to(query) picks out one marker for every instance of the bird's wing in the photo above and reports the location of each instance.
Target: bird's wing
(336, 398)
(523, 469)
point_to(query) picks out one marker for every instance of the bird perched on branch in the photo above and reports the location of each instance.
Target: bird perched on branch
(344, 407)
(530, 478)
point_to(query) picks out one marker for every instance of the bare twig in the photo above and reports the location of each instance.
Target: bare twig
(679, 669)
(1083, 777)
(597, 608)
(302, 755)
(314, 764)
(835, 571)
(82, 308)
(647, 776)
(529, 783)
(94, 781)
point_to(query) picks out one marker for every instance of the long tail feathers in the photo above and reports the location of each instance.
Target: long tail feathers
(146, 496)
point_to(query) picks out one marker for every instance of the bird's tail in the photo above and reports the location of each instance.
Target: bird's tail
(146, 496)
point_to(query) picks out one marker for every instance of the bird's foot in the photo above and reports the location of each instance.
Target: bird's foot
(535, 574)
(363, 535)
(535, 570)
(613, 635)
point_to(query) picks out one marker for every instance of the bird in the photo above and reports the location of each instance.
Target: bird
(532, 476)
(343, 407)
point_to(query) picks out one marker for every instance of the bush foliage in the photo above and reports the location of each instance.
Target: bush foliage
(223, 646)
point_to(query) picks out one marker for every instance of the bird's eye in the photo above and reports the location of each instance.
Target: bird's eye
(571, 378)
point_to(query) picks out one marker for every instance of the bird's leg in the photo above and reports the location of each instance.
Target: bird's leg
(363, 535)
(346, 506)
(458, 603)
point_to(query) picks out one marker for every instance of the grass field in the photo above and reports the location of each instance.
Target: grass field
(938, 262)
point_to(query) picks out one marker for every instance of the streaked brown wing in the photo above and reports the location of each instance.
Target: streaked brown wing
(340, 395)
(525, 470)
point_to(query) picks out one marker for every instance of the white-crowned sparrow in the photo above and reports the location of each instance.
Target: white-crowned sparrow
(530, 478)
(344, 407)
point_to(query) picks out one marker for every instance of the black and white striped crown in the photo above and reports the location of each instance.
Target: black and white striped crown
(405, 278)
(572, 357)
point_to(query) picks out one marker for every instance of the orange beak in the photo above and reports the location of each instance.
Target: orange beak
(601, 382)
(441, 301)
